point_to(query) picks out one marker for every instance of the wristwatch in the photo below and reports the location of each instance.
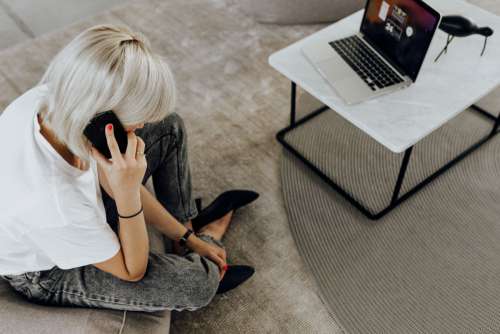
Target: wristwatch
(183, 239)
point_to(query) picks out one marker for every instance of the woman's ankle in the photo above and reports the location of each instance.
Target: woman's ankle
(219, 226)
(211, 231)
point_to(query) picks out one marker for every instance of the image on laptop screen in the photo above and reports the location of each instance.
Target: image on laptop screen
(402, 30)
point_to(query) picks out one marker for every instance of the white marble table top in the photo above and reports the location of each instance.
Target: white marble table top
(442, 90)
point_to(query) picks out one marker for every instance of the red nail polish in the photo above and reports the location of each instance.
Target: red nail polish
(110, 127)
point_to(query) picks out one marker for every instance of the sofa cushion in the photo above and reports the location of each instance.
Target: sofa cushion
(17, 314)
(300, 11)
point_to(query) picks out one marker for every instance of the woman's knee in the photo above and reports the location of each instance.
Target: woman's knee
(192, 280)
(174, 123)
(203, 281)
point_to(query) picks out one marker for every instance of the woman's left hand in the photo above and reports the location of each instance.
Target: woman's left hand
(212, 252)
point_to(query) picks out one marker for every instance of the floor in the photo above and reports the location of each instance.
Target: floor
(20, 20)
(232, 104)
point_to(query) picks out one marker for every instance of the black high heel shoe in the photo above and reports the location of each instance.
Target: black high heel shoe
(225, 202)
(234, 276)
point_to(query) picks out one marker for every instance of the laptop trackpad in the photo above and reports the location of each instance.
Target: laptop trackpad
(345, 80)
(336, 69)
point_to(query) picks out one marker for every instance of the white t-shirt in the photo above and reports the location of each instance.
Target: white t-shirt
(51, 213)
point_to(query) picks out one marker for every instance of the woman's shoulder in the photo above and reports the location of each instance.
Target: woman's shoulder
(28, 97)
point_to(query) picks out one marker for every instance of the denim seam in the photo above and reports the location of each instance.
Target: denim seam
(193, 212)
(181, 194)
(179, 170)
(177, 153)
(120, 302)
(177, 164)
(186, 213)
(179, 191)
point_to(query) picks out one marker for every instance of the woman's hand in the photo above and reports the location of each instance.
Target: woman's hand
(104, 182)
(123, 174)
(212, 252)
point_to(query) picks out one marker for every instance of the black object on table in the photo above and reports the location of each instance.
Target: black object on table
(459, 26)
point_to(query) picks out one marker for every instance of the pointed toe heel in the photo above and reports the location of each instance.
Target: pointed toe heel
(198, 204)
(225, 202)
(234, 276)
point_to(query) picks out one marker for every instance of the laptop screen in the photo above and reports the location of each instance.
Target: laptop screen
(401, 30)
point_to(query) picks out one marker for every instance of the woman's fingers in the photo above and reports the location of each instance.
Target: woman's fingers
(101, 159)
(116, 155)
(223, 255)
(131, 145)
(224, 266)
(140, 147)
(220, 262)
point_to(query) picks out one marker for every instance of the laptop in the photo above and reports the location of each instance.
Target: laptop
(384, 56)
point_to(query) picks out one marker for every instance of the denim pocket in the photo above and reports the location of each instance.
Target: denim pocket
(26, 292)
(48, 278)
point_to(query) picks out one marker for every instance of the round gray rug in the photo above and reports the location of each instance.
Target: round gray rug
(430, 266)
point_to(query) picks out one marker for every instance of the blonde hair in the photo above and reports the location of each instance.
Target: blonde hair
(106, 67)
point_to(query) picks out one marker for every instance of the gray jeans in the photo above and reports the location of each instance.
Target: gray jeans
(171, 282)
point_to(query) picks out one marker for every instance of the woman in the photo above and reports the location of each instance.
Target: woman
(73, 227)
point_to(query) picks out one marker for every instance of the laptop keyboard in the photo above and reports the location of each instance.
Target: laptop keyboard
(366, 63)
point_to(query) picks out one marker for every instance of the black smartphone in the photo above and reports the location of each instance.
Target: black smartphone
(95, 132)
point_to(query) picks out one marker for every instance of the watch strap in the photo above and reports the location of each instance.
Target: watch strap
(183, 239)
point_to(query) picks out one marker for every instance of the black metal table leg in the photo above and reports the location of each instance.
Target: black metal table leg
(495, 126)
(483, 112)
(292, 103)
(396, 200)
(401, 175)
(490, 116)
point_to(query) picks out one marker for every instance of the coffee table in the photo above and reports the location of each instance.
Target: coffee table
(400, 120)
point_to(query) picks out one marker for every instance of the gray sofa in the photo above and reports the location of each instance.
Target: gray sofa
(17, 314)
(300, 11)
